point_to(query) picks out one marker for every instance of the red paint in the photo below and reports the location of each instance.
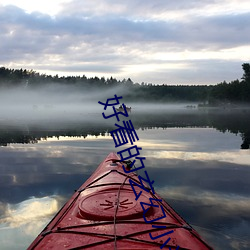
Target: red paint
(87, 220)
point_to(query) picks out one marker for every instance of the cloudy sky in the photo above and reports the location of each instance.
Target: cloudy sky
(157, 41)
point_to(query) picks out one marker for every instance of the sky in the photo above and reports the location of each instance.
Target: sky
(153, 41)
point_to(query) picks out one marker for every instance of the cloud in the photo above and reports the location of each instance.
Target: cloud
(126, 39)
(116, 30)
(149, 9)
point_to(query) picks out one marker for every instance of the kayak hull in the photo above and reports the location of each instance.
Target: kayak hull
(103, 213)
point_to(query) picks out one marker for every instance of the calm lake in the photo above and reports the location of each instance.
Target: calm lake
(198, 158)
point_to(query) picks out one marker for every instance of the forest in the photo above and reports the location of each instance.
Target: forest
(224, 93)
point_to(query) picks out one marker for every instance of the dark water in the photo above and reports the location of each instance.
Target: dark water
(194, 156)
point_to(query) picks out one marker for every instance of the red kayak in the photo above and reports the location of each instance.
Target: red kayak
(116, 210)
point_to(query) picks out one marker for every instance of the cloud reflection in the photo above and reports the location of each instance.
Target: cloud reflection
(29, 212)
(198, 171)
(228, 203)
(223, 156)
(22, 222)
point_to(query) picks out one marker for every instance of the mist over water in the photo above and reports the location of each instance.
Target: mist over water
(59, 107)
(56, 102)
(53, 137)
(61, 102)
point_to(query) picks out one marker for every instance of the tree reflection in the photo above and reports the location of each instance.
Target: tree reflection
(231, 121)
(246, 141)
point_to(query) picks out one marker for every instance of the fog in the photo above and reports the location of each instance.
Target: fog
(53, 103)
(65, 103)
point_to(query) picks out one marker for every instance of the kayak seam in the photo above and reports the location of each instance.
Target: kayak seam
(53, 227)
(117, 206)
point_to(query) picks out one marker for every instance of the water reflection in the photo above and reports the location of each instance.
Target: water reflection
(198, 169)
(233, 121)
(20, 222)
(29, 210)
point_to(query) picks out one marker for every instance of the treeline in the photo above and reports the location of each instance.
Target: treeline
(234, 92)
(237, 91)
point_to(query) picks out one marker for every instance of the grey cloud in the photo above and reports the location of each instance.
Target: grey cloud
(217, 31)
(220, 31)
(130, 7)
(224, 30)
(108, 42)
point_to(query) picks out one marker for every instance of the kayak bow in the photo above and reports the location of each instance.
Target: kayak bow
(103, 214)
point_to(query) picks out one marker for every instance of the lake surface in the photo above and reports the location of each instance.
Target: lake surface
(199, 160)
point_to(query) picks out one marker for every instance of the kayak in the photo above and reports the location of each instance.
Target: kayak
(116, 209)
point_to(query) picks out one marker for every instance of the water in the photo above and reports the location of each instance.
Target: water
(194, 156)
